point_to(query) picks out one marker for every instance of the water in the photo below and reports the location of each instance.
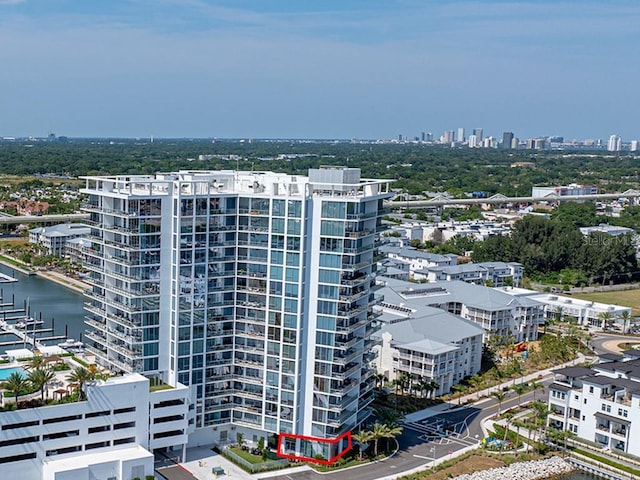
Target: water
(53, 303)
(6, 372)
(578, 476)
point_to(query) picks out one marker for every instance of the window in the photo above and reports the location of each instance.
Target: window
(69, 433)
(99, 428)
(11, 426)
(121, 441)
(97, 414)
(124, 410)
(590, 389)
(18, 458)
(91, 446)
(119, 426)
(61, 419)
(18, 441)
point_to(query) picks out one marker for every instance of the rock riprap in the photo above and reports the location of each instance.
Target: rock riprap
(533, 470)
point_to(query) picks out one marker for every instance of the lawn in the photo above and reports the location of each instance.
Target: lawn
(626, 298)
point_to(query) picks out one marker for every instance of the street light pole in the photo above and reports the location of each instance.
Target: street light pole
(433, 452)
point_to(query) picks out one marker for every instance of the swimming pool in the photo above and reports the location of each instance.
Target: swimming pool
(5, 372)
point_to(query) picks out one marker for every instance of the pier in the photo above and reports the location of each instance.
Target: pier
(4, 278)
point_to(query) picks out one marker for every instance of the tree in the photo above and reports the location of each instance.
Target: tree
(499, 396)
(362, 438)
(240, 439)
(607, 319)
(15, 383)
(477, 382)
(534, 386)
(81, 376)
(626, 320)
(381, 430)
(458, 389)
(542, 411)
(379, 379)
(388, 416)
(39, 378)
(36, 362)
(519, 388)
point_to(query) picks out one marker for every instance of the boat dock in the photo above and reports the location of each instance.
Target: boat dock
(27, 336)
(4, 278)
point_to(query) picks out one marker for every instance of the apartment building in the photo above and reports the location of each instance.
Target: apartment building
(583, 312)
(496, 274)
(599, 404)
(253, 288)
(109, 435)
(56, 238)
(496, 312)
(418, 259)
(427, 344)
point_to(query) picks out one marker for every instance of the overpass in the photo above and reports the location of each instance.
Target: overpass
(442, 200)
(60, 218)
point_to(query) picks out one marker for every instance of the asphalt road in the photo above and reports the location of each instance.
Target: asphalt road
(419, 445)
(601, 338)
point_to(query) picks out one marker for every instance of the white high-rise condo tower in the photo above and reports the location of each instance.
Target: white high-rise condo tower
(614, 144)
(253, 288)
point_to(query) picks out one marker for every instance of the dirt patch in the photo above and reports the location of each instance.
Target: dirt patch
(472, 464)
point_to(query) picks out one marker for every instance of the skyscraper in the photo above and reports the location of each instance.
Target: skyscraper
(460, 137)
(614, 144)
(478, 133)
(507, 138)
(253, 288)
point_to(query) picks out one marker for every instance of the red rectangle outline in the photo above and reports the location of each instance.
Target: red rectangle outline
(314, 439)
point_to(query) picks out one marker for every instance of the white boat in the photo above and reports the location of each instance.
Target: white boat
(29, 322)
(71, 344)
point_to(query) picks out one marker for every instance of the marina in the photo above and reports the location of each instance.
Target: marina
(19, 328)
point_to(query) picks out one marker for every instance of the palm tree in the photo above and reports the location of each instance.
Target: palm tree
(519, 388)
(405, 382)
(36, 362)
(15, 383)
(499, 396)
(433, 388)
(607, 319)
(458, 388)
(626, 320)
(381, 430)
(39, 378)
(81, 376)
(542, 411)
(379, 379)
(388, 416)
(535, 386)
(362, 438)
(477, 382)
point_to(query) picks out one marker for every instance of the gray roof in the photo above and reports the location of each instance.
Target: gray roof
(411, 252)
(62, 230)
(431, 330)
(574, 371)
(413, 295)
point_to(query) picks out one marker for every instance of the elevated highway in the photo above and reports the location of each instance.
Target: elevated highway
(440, 201)
(61, 218)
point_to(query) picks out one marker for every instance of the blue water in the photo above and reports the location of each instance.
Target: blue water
(5, 372)
(56, 305)
(579, 476)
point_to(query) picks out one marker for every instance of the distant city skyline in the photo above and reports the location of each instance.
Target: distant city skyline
(358, 69)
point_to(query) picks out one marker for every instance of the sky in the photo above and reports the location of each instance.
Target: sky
(368, 69)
